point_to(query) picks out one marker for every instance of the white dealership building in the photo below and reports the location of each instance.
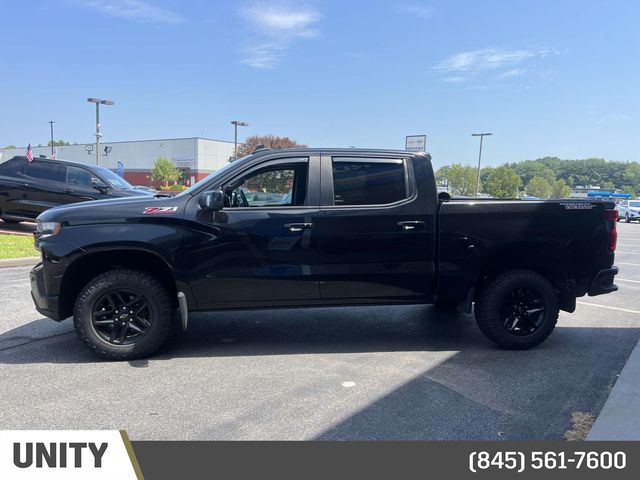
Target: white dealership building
(195, 157)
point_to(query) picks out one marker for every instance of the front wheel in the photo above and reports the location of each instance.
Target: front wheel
(123, 314)
(627, 219)
(517, 309)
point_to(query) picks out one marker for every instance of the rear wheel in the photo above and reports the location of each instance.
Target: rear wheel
(123, 314)
(517, 309)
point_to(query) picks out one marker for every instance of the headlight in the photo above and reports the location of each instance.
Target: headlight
(47, 229)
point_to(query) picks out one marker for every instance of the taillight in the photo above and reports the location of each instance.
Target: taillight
(612, 216)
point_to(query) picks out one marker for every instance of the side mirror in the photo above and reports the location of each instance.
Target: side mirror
(100, 185)
(444, 197)
(212, 200)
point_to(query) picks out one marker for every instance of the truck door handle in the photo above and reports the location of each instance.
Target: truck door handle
(298, 227)
(412, 225)
(68, 190)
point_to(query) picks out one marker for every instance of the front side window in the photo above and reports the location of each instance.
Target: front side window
(79, 176)
(368, 182)
(279, 185)
(55, 172)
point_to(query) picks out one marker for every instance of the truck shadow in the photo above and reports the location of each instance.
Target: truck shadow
(476, 391)
(269, 332)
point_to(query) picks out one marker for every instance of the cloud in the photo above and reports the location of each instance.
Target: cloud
(612, 118)
(486, 59)
(136, 10)
(282, 19)
(265, 56)
(514, 72)
(419, 10)
(276, 26)
(494, 63)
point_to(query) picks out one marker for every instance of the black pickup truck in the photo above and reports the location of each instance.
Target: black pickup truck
(29, 188)
(317, 227)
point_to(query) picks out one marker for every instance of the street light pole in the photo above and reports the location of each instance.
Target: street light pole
(481, 135)
(98, 102)
(51, 123)
(236, 124)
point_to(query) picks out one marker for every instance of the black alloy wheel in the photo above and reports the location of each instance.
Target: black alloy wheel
(123, 314)
(121, 317)
(522, 311)
(517, 308)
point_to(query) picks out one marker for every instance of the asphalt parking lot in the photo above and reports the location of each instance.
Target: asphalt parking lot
(362, 373)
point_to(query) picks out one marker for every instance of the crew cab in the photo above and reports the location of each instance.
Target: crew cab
(329, 227)
(29, 188)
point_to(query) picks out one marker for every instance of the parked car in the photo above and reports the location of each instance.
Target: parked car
(29, 188)
(144, 188)
(628, 210)
(361, 227)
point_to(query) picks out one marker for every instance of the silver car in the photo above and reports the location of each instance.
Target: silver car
(629, 210)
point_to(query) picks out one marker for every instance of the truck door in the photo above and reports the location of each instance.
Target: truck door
(258, 248)
(375, 232)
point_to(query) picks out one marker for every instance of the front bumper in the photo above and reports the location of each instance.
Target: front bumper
(47, 305)
(603, 282)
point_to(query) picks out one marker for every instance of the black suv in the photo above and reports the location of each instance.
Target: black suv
(29, 188)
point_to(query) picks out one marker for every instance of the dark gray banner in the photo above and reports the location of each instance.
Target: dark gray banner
(388, 460)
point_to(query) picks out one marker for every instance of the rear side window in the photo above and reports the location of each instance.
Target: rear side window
(9, 168)
(368, 182)
(47, 171)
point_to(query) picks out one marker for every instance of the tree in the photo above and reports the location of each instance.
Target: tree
(485, 173)
(560, 189)
(503, 182)
(58, 143)
(10, 146)
(269, 141)
(460, 178)
(164, 170)
(539, 187)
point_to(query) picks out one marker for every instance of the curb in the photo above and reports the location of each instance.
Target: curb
(620, 415)
(18, 262)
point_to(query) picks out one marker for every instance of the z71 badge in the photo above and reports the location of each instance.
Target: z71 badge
(160, 210)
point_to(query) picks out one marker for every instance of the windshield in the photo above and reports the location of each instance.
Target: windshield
(634, 204)
(221, 170)
(114, 180)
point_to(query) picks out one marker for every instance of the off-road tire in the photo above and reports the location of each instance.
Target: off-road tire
(157, 298)
(491, 297)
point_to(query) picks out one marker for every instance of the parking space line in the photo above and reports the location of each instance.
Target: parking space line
(625, 280)
(610, 308)
(628, 253)
(625, 263)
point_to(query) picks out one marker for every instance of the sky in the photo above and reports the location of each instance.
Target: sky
(547, 78)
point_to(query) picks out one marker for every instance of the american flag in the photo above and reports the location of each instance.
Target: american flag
(54, 155)
(29, 153)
